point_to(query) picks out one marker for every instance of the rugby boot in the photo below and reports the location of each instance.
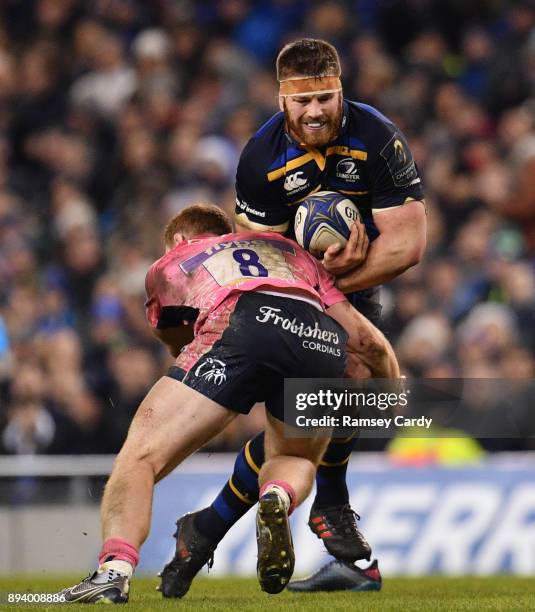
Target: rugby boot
(103, 586)
(337, 528)
(340, 576)
(193, 550)
(276, 557)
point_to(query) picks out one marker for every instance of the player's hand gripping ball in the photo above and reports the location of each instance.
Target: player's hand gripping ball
(322, 219)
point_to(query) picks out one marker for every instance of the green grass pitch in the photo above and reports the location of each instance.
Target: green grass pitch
(501, 593)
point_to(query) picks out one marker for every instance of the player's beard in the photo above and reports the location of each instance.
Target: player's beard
(323, 137)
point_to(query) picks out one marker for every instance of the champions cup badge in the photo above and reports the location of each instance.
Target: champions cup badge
(215, 372)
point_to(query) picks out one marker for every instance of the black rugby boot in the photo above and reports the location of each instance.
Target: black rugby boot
(193, 550)
(337, 528)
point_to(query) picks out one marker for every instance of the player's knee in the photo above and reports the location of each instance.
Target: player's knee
(138, 458)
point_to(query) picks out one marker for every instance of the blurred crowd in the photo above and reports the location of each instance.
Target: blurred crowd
(114, 114)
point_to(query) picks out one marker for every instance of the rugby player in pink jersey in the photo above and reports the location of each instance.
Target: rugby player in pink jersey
(248, 295)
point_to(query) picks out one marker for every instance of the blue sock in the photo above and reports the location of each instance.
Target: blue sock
(331, 486)
(237, 496)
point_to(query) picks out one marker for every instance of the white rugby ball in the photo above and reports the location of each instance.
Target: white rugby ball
(322, 219)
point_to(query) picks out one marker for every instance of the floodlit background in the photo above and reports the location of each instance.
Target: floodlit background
(116, 114)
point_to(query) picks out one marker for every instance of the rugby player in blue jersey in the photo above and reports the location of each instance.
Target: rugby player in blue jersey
(321, 141)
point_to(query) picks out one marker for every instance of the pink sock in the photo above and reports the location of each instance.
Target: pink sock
(117, 548)
(283, 485)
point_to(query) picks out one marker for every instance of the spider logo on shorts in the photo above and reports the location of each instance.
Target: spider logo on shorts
(215, 373)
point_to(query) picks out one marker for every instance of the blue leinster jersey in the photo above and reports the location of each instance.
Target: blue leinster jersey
(370, 161)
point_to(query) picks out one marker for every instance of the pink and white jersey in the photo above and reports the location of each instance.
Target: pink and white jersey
(201, 273)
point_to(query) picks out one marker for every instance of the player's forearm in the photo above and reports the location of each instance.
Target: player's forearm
(388, 367)
(399, 246)
(367, 347)
(378, 359)
(383, 263)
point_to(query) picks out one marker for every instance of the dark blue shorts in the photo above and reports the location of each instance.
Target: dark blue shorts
(268, 339)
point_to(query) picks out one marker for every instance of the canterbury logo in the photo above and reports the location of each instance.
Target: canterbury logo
(293, 181)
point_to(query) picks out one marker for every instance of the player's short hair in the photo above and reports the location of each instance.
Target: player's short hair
(198, 219)
(308, 57)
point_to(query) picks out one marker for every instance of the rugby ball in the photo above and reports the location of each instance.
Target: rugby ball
(322, 219)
